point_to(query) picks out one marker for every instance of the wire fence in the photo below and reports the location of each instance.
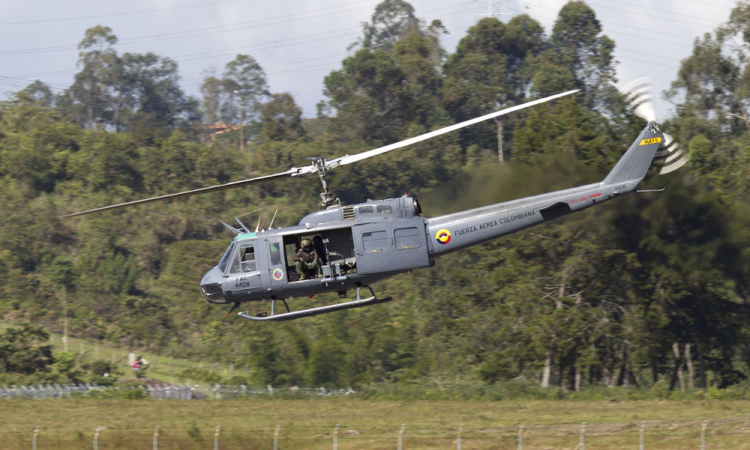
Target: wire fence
(164, 391)
(521, 437)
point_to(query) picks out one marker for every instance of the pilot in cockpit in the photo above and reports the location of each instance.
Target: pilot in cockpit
(248, 260)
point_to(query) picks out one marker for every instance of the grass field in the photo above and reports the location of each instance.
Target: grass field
(162, 367)
(372, 425)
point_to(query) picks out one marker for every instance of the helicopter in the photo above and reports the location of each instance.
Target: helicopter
(359, 245)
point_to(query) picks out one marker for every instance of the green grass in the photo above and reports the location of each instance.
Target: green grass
(308, 424)
(163, 368)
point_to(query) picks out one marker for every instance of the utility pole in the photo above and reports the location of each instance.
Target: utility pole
(495, 9)
(65, 318)
(242, 119)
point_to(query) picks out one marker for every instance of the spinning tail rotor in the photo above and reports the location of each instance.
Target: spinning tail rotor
(639, 94)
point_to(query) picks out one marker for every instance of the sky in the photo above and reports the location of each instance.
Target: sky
(299, 42)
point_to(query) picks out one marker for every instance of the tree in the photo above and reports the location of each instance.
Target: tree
(577, 44)
(24, 351)
(149, 86)
(135, 92)
(37, 93)
(281, 119)
(98, 61)
(391, 21)
(489, 71)
(326, 364)
(246, 84)
(215, 100)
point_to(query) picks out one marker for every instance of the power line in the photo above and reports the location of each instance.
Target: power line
(265, 46)
(636, 51)
(652, 16)
(8, 78)
(328, 64)
(251, 47)
(624, 25)
(131, 13)
(299, 69)
(199, 31)
(651, 8)
(618, 24)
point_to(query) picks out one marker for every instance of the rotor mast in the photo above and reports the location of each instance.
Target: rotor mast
(327, 198)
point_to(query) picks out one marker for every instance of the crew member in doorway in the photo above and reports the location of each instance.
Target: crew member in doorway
(306, 261)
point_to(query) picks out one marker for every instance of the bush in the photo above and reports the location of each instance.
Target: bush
(100, 367)
(205, 375)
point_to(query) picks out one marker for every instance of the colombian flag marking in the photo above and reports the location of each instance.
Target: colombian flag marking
(278, 274)
(443, 236)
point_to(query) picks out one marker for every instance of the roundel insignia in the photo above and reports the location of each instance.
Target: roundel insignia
(443, 236)
(278, 274)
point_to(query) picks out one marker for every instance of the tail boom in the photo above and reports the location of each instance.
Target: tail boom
(463, 229)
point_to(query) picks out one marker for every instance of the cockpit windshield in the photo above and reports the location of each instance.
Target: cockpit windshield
(225, 258)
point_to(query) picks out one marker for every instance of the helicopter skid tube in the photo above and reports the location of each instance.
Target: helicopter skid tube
(358, 303)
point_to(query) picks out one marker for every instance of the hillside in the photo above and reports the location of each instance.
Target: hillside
(646, 288)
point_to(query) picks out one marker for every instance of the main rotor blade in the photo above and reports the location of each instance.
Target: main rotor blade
(219, 187)
(349, 159)
(344, 160)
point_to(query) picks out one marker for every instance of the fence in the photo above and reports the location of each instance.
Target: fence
(275, 439)
(164, 391)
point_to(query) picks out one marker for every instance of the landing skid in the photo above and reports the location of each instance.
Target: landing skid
(289, 315)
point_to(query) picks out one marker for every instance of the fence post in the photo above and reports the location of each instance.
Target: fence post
(703, 436)
(643, 428)
(336, 437)
(96, 438)
(520, 437)
(216, 437)
(401, 436)
(583, 432)
(33, 441)
(276, 438)
(458, 438)
(156, 438)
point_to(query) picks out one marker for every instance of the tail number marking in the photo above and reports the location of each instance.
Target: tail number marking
(650, 141)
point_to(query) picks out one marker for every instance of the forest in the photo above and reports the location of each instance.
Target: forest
(651, 289)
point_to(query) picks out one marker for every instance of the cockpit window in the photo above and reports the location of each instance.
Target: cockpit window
(225, 258)
(244, 258)
(385, 209)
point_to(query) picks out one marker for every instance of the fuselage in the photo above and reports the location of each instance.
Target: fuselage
(368, 242)
(371, 241)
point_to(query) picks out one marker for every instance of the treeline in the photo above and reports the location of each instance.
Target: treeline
(649, 289)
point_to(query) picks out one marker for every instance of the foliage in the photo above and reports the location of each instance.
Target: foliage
(25, 355)
(585, 304)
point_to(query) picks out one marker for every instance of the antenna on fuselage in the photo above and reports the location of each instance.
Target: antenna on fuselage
(272, 219)
(231, 228)
(247, 230)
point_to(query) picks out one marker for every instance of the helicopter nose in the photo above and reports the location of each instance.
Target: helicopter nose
(211, 286)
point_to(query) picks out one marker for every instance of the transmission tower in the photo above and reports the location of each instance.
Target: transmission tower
(495, 8)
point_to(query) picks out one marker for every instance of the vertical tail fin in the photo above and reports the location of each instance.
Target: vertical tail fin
(635, 162)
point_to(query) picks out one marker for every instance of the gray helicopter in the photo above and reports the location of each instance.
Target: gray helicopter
(359, 245)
